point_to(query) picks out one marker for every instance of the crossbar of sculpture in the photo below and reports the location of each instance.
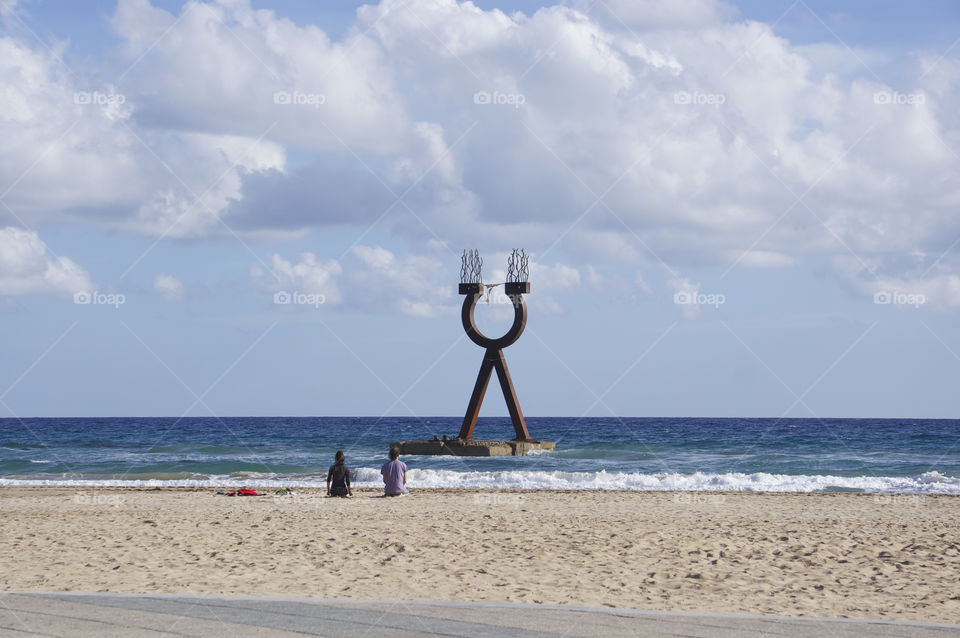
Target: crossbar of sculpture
(493, 358)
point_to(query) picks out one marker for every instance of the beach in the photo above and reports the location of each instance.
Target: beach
(886, 556)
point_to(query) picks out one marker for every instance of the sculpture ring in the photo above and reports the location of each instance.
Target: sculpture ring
(470, 326)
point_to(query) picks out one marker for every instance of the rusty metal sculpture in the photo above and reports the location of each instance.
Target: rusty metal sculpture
(472, 286)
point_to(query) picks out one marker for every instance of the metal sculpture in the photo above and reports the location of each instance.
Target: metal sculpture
(472, 286)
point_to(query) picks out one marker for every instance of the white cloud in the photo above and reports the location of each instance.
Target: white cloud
(555, 277)
(941, 291)
(410, 285)
(685, 296)
(27, 267)
(169, 287)
(376, 280)
(553, 282)
(617, 288)
(109, 167)
(373, 280)
(937, 287)
(249, 57)
(710, 138)
(213, 182)
(309, 276)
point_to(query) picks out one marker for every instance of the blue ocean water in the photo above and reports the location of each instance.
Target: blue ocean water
(875, 455)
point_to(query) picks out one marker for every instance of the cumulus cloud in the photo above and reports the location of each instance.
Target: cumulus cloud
(411, 285)
(373, 279)
(169, 287)
(671, 131)
(27, 267)
(220, 162)
(377, 280)
(261, 72)
(309, 276)
(86, 136)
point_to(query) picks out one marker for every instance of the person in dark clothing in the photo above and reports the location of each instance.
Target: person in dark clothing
(339, 476)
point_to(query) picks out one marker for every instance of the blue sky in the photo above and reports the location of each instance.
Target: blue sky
(791, 167)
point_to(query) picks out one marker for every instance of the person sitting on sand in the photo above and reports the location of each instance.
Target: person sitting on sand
(339, 474)
(394, 474)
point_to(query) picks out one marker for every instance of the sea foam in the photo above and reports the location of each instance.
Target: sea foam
(927, 483)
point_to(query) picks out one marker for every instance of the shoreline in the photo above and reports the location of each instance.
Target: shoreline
(269, 490)
(549, 482)
(836, 554)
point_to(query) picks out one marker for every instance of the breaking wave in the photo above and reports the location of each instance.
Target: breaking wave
(927, 483)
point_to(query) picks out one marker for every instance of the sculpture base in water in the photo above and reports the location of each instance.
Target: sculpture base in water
(471, 447)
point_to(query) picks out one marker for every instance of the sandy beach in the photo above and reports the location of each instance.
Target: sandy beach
(829, 555)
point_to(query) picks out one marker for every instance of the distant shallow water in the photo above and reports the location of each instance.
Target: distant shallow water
(775, 455)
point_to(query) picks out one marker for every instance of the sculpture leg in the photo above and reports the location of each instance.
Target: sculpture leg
(476, 399)
(510, 395)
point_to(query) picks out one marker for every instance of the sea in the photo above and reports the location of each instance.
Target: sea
(895, 456)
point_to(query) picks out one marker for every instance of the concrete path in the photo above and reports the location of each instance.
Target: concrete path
(134, 615)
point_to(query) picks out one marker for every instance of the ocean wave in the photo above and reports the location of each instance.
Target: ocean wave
(927, 483)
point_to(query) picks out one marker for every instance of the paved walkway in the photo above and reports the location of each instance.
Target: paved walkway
(136, 615)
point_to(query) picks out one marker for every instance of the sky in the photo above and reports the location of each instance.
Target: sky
(731, 209)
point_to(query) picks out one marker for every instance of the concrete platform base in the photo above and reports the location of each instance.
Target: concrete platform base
(473, 447)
